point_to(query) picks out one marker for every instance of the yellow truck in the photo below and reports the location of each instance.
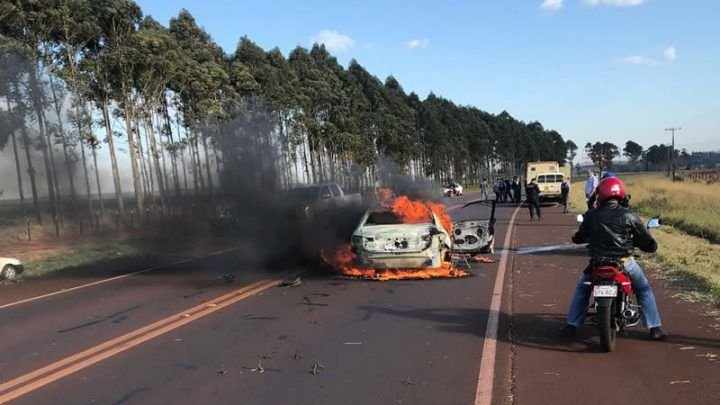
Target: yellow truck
(549, 176)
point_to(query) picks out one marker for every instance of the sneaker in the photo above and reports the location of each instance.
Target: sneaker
(657, 333)
(569, 330)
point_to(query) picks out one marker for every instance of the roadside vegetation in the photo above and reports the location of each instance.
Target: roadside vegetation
(690, 261)
(687, 205)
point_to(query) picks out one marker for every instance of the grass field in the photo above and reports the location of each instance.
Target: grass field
(690, 206)
(691, 260)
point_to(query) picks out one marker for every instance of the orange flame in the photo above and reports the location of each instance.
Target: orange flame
(409, 212)
(343, 262)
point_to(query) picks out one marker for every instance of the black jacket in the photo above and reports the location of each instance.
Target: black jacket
(614, 231)
(532, 192)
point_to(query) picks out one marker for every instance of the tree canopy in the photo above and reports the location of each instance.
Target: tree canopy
(192, 111)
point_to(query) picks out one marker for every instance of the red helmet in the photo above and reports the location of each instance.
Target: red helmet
(610, 187)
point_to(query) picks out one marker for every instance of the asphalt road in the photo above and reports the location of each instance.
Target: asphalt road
(189, 334)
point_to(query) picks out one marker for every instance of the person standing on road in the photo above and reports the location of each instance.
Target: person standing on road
(590, 184)
(508, 187)
(484, 189)
(496, 190)
(613, 231)
(565, 194)
(502, 190)
(517, 190)
(532, 195)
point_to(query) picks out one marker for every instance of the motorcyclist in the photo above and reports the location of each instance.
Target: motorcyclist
(613, 231)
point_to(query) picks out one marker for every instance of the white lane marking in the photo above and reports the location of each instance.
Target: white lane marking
(486, 376)
(107, 280)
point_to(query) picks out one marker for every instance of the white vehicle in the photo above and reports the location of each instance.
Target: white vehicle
(383, 241)
(453, 190)
(10, 269)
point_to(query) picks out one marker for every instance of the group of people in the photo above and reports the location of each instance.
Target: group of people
(507, 190)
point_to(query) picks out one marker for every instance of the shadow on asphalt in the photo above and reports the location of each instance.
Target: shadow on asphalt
(538, 331)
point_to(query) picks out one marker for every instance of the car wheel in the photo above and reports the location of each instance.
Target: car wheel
(9, 272)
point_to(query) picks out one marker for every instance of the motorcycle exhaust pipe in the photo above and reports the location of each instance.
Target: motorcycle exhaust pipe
(629, 313)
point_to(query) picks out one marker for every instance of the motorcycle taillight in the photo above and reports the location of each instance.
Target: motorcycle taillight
(605, 272)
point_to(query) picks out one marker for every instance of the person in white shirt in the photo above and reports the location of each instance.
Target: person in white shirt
(590, 185)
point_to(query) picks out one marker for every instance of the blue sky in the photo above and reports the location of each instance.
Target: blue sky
(594, 70)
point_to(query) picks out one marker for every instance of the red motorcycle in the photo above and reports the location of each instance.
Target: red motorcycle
(613, 301)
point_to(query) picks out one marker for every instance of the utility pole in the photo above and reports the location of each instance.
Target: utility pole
(672, 156)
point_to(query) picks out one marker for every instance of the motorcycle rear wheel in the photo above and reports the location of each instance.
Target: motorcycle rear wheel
(606, 329)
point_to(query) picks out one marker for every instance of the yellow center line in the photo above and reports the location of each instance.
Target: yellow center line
(14, 388)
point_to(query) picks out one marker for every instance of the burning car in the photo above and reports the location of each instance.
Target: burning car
(386, 240)
(400, 238)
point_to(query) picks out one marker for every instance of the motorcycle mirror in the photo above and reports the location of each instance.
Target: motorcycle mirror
(580, 218)
(654, 223)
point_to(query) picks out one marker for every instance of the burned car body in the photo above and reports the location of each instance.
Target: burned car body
(382, 241)
(471, 235)
(474, 236)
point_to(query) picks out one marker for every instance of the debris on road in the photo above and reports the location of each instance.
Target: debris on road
(408, 381)
(482, 259)
(291, 283)
(226, 277)
(352, 343)
(680, 382)
(259, 369)
(687, 347)
(298, 355)
(316, 368)
(222, 371)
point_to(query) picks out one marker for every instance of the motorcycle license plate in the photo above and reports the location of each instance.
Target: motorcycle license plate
(605, 291)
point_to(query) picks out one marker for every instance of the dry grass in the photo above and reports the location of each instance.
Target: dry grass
(690, 206)
(690, 260)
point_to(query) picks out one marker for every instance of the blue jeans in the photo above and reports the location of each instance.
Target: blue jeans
(645, 297)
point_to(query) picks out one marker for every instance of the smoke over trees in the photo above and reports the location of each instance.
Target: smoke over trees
(78, 74)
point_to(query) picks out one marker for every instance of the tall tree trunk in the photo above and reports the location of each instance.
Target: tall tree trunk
(160, 147)
(46, 149)
(86, 175)
(193, 164)
(141, 156)
(80, 115)
(156, 160)
(27, 144)
(97, 180)
(217, 164)
(207, 165)
(148, 161)
(113, 160)
(18, 170)
(173, 154)
(137, 186)
(68, 161)
(200, 176)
